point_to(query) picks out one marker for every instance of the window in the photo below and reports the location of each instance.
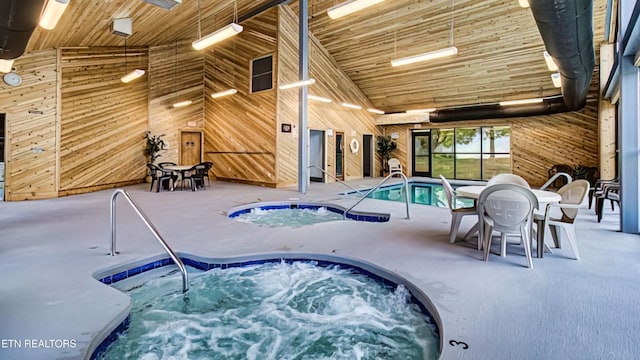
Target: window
(476, 153)
(262, 74)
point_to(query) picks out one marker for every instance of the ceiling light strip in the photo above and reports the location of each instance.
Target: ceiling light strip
(520, 102)
(420, 111)
(557, 82)
(551, 65)
(297, 84)
(351, 106)
(182, 103)
(6, 65)
(132, 75)
(375, 111)
(217, 36)
(52, 13)
(425, 56)
(319, 98)
(224, 93)
(349, 7)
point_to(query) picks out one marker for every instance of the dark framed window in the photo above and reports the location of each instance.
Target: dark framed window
(473, 153)
(262, 73)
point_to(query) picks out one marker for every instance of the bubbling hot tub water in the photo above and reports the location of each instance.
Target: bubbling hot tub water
(275, 311)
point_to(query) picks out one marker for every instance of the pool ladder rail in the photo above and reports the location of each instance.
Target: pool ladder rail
(405, 190)
(336, 179)
(154, 231)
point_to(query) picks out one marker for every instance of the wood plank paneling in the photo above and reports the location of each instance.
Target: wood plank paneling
(240, 130)
(176, 73)
(103, 120)
(31, 166)
(332, 83)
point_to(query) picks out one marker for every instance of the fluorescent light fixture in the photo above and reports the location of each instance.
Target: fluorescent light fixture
(551, 65)
(52, 13)
(182, 103)
(420, 111)
(6, 65)
(555, 77)
(224, 93)
(217, 36)
(319, 98)
(426, 56)
(132, 75)
(296, 84)
(523, 3)
(520, 102)
(348, 7)
(351, 106)
(165, 4)
(375, 111)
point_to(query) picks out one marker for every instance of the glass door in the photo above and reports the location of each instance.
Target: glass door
(421, 160)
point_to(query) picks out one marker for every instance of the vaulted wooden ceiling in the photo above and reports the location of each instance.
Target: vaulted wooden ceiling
(500, 48)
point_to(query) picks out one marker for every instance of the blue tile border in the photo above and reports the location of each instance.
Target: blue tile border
(202, 265)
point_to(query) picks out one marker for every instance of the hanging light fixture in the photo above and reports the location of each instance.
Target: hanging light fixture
(52, 13)
(6, 65)
(136, 73)
(222, 34)
(349, 7)
(224, 93)
(297, 84)
(452, 50)
(175, 91)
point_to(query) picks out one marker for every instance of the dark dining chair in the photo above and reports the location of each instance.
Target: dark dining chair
(195, 175)
(208, 165)
(161, 176)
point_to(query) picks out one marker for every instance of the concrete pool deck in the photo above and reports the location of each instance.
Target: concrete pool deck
(560, 309)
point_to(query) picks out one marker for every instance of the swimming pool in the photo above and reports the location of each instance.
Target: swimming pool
(298, 214)
(276, 308)
(422, 193)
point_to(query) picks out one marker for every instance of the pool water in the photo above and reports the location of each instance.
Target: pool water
(275, 311)
(289, 217)
(420, 193)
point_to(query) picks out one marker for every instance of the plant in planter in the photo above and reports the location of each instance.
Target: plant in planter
(154, 145)
(385, 146)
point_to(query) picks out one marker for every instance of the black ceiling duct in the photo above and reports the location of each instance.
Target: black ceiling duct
(548, 106)
(566, 27)
(18, 19)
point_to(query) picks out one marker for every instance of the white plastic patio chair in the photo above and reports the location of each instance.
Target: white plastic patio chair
(573, 195)
(508, 209)
(394, 165)
(508, 179)
(456, 213)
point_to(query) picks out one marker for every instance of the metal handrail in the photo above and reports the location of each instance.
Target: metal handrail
(174, 257)
(554, 177)
(405, 188)
(338, 180)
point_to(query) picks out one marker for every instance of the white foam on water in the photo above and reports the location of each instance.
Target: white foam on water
(275, 311)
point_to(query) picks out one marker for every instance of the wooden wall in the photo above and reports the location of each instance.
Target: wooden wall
(31, 154)
(332, 83)
(176, 73)
(102, 119)
(240, 130)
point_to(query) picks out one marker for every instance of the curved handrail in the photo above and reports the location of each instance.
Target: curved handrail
(405, 188)
(338, 180)
(174, 257)
(554, 177)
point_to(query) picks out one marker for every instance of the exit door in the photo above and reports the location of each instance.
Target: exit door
(421, 159)
(190, 148)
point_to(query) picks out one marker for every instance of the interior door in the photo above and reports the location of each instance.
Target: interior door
(190, 148)
(339, 155)
(421, 159)
(316, 155)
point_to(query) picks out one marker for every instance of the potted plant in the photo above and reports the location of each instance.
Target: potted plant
(385, 146)
(154, 145)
